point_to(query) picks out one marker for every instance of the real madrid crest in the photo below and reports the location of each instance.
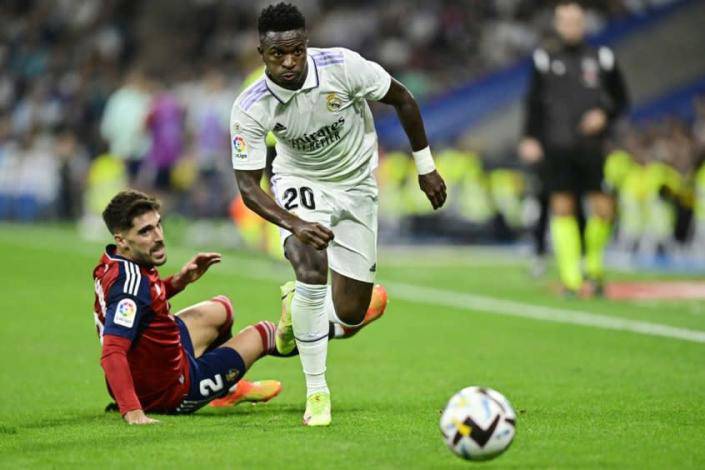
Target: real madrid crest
(333, 103)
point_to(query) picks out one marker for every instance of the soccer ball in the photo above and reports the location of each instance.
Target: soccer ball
(478, 423)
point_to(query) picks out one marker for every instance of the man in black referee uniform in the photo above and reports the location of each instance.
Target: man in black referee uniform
(576, 91)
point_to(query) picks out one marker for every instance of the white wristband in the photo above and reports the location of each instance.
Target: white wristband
(424, 161)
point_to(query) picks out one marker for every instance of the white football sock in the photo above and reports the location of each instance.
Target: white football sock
(311, 332)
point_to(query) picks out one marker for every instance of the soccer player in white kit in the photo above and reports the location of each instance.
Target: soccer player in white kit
(315, 103)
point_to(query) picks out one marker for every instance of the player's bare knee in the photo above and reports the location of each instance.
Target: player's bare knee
(604, 214)
(224, 314)
(310, 269)
(562, 204)
(311, 276)
(310, 265)
(601, 206)
(246, 330)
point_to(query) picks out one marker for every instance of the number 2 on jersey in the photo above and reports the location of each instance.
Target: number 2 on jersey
(303, 194)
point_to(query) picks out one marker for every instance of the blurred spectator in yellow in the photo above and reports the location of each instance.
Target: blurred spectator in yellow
(107, 176)
(699, 178)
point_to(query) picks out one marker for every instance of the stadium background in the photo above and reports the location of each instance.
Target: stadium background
(172, 72)
(629, 376)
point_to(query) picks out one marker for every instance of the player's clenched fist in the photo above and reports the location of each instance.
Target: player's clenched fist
(313, 234)
(434, 187)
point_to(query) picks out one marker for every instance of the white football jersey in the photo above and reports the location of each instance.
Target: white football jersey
(324, 130)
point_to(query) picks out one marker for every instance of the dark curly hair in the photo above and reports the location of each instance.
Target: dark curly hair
(280, 17)
(125, 206)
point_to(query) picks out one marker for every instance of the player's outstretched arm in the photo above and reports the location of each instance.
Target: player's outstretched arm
(254, 197)
(191, 272)
(407, 109)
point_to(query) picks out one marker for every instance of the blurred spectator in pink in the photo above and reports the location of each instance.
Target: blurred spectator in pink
(165, 125)
(208, 107)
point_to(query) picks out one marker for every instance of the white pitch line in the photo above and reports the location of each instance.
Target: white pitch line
(496, 306)
(266, 271)
(272, 271)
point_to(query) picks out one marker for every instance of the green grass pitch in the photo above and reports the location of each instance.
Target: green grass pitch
(585, 396)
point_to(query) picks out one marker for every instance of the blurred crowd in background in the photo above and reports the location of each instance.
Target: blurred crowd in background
(98, 95)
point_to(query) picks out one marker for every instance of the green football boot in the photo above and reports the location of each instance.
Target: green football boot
(284, 338)
(318, 410)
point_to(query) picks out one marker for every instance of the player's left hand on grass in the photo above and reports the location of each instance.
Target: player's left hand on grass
(138, 417)
(196, 267)
(434, 187)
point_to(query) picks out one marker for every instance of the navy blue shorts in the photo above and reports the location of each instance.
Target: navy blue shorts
(212, 374)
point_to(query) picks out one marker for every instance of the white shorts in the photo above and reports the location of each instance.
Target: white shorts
(350, 212)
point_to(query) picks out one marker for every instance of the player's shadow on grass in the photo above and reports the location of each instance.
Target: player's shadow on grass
(270, 409)
(267, 409)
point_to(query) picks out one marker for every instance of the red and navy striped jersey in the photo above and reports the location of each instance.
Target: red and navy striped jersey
(131, 303)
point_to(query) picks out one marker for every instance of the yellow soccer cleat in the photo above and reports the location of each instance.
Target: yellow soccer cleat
(255, 392)
(378, 303)
(284, 338)
(317, 410)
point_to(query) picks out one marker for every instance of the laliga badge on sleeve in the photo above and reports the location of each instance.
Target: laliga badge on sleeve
(239, 147)
(125, 313)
